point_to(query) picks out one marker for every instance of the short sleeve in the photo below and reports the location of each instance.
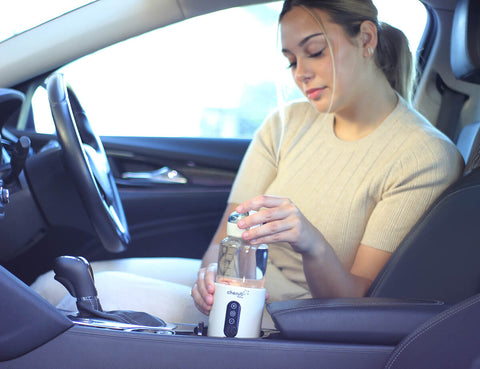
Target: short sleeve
(414, 182)
(259, 165)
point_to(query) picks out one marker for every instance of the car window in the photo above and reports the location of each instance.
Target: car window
(217, 75)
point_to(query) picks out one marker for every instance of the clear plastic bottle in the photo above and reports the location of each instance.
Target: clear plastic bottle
(239, 296)
(239, 263)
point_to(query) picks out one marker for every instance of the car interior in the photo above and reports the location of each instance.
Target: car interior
(76, 193)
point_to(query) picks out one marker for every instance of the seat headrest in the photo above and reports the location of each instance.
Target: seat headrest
(465, 42)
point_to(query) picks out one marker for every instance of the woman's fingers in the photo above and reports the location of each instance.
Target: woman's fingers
(200, 303)
(277, 231)
(262, 201)
(203, 290)
(210, 275)
(268, 209)
(202, 287)
(277, 219)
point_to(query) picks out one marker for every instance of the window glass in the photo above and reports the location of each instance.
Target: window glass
(41, 112)
(408, 15)
(217, 75)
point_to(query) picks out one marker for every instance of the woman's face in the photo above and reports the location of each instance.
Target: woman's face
(305, 46)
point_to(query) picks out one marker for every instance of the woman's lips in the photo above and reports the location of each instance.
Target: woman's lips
(314, 93)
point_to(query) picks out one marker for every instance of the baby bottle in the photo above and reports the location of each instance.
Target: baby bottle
(239, 296)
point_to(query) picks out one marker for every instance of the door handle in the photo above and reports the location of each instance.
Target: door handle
(162, 175)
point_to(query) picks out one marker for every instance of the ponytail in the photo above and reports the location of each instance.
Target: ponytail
(394, 58)
(393, 54)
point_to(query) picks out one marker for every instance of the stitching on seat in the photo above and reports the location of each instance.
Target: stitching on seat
(429, 325)
(355, 306)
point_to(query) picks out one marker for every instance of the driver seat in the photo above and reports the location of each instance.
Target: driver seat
(439, 258)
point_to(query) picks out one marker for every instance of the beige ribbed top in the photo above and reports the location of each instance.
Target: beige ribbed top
(370, 191)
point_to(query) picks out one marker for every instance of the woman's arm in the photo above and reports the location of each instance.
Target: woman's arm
(327, 277)
(282, 221)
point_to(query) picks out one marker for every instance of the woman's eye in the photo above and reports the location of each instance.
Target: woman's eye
(290, 60)
(317, 54)
(291, 64)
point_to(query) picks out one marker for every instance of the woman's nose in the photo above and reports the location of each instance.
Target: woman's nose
(303, 73)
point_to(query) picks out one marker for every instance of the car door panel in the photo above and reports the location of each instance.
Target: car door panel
(173, 219)
(165, 219)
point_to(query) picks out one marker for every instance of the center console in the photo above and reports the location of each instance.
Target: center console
(338, 333)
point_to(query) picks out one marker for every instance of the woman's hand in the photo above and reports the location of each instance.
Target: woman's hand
(279, 220)
(203, 290)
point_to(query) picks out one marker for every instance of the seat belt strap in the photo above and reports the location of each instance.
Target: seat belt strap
(450, 109)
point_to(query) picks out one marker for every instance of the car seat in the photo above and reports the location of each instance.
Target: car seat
(447, 341)
(439, 258)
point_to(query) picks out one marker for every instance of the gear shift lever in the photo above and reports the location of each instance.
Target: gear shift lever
(76, 274)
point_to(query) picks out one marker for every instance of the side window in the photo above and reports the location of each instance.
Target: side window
(217, 75)
(408, 15)
(41, 112)
(209, 76)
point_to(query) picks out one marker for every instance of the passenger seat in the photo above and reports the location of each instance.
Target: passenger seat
(439, 258)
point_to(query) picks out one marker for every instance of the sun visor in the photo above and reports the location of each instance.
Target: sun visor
(465, 43)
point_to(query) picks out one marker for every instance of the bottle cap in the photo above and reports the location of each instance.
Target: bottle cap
(232, 228)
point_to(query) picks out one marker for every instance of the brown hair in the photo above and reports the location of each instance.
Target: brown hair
(392, 54)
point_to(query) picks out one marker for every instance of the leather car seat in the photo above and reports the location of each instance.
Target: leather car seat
(447, 341)
(439, 258)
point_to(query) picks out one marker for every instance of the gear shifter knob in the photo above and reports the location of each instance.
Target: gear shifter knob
(76, 274)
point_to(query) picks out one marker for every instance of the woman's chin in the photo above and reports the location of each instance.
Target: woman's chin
(322, 105)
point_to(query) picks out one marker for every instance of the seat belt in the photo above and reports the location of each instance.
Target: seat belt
(450, 109)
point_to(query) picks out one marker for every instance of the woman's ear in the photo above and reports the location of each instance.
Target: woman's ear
(368, 38)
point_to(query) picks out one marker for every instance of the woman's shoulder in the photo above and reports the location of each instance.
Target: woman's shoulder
(419, 128)
(424, 140)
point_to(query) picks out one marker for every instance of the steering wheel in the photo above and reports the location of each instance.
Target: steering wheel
(87, 164)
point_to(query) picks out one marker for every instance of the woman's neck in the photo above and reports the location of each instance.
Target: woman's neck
(367, 112)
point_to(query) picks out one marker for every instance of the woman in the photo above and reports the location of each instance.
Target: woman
(338, 181)
(354, 168)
